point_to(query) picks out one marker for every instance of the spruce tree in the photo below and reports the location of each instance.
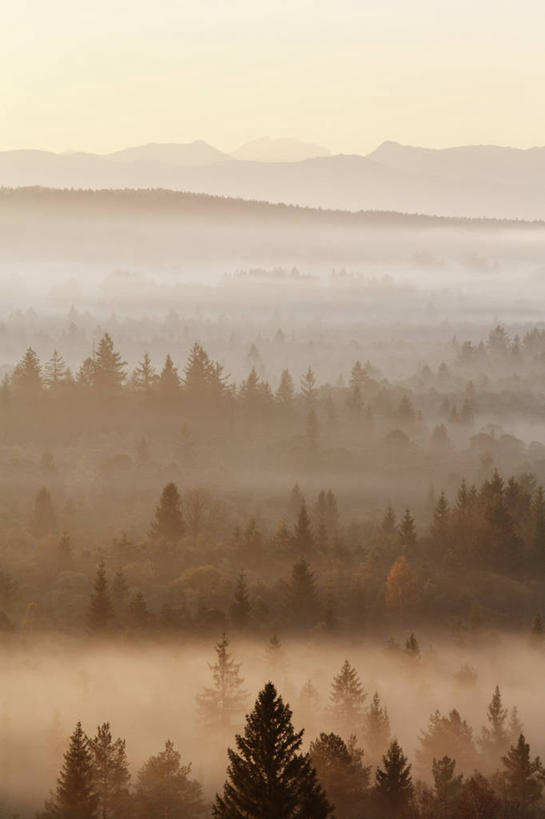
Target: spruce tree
(225, 700)
(168, 522)
(169, 383)
(55, 372)
(285, 392)
(494, 739)
(27, 376)
(394, 786)
(303, 539)
(100, 608)
(144, 376)
(111, 774)
(341, 772)
(407, 531)
(376, 729)
(523, 776)
(165, 790)
(75, 796)
(44, 521)
(108, 371)
(347, 698)
(308, 387)
(303, 604)
(241, 606)
(267, 776)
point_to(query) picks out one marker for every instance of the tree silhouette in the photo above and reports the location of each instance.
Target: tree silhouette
(111, 774)
(225, 700)
(168, 523)
(164, 788)
(394, 786)
(267, 776)
(100, 608)
(76, 794)
(347, 698)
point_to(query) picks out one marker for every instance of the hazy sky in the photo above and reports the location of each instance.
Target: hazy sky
(103, 74)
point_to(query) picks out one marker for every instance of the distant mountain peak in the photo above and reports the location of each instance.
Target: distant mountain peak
(279, 149)
(197, 152)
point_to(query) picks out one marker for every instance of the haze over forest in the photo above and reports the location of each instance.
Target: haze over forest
(272, 410)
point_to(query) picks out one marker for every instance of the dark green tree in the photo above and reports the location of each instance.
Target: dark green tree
(225, 700)
(241, 606)
(342, 774)
(523, 776)
(267, 776)
(393, 783)
(165, 789)
(44, 520)
(111, 774)
(100, 609)
(347, 699)
(168, 522)
(76, 795)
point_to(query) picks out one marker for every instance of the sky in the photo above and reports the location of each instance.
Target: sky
(101, 75)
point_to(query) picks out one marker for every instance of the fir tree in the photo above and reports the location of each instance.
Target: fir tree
(407, 531)
(241, 606)
(523, 776)
(108, 371)
(169, 382)
(388, 525)
(285, 392)
(55, 372)
(341, 773)
(303, 539)
(347, 698)
(303, 602)
(394, 786)
(27, 375)
(267, 776)
(100, 609)
(165, 789)
(376, 729)
(144, 376)
(222, 703)
(168, 523)
(308, 387)
(44, 521)
(111, 774)
(76, 795)
(494, 739)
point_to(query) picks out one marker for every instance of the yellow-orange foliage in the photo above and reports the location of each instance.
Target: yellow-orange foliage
(400, 585)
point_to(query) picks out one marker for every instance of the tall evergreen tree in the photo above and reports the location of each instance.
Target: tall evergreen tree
(76, 795)
(111, 774)
(165, 790)
(268, 778)
(523, 776)
(407, 531)
(303, 539)
(494, 739)
(144, 376)
(285, 392)
(394, 786)
(168, 522)
(308, 387)
(342, 774)
(347, 699)
(44, 521)
(376, 729)
(100, 609)
(241, 606)
(108, 372)
(27, 375)
(55, 372)
(303, 604)
(225, 700)
(169, 382)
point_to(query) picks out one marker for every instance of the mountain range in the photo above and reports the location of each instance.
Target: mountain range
(472, 181)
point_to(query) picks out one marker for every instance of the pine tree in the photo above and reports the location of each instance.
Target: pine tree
(165, 789)
(523, 776)
(55, 372)
(268, 778)
(494, 740)
(100, 610)
(303, 604)
(376, 729)
(44, 520)
(222, 703)
(308, 387)
(441, 515)
(347, 698)
(394, 786)
(303, 539)
(407, 531)
(447, 736)
(108, 371)
(111, 774)
(388, 525)
(341, 773)
(285, 392)
(241, 606)
(75, 796)
(169, 382)
(144, 376)
(447, 787)
(168, 523)
(27, 375)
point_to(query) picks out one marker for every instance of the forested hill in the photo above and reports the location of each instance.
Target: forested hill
(145, 228)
